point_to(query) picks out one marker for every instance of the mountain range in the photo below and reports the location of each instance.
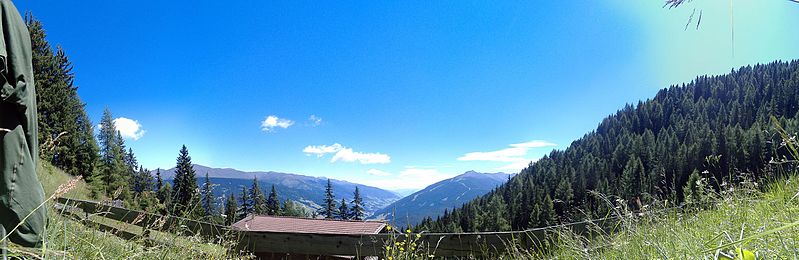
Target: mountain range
(307, 190)
(434, 199)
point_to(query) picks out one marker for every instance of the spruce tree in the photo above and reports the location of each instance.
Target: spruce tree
(273, 203)
(64, 131)
(159, 187)
(356, 212)
(329, 211)
(143, 181)
(209, 205)
(166, 193)
(258, 198)
(246, 203)
(343, 210)
(113, 176)
(292, 209)
(184, 193)
(231, 209)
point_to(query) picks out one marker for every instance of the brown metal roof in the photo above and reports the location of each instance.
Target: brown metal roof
(308, 225)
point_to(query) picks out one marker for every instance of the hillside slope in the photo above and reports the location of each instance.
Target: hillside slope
(743, 213)
(714, 127)
(70, 239)
(434, 199)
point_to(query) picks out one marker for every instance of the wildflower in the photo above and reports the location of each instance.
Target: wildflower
(388, 227)
(408, 231)
(418, 235)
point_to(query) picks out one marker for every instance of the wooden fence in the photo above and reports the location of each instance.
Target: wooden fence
(438, 244)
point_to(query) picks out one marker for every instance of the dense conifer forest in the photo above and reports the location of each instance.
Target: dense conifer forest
(717, 128)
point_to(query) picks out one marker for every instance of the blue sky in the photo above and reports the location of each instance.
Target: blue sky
(392, 94)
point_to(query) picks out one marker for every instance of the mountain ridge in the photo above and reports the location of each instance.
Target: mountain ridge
(307, 190)
(434, 199)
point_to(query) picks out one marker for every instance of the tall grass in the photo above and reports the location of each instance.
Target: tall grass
(71, 237)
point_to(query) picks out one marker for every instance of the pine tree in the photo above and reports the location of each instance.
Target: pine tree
(184, 193)
(273, 203)
(329, 211)
(343, 210)
(65, 132)
(356, 212)
(258, 198)
(143, 181)
(209, 205)
(231, 209)
(113, 177)
(159, 187)
(293, 209)
(246, 203)
(166, 193)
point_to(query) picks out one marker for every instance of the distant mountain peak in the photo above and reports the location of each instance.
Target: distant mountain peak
(446, 194)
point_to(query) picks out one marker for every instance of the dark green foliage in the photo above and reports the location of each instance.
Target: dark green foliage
(493, 217)
(356, 212)
(245, 202)
(329, 210)
(343, 210)
(184, 192)
(231, 209)
(649, 150)
(257, 198)
(273, 203)
(165, 196)
(114, 175)
(159, 186)
(292, 209)
(65, 131)
(142, 181)
(207, 194)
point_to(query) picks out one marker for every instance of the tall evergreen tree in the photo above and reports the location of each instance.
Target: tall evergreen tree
(245, 202)
(273, 203)
(356, 212)
(113, 175)
(231, 209)
(209, 205)
(329, 210)
(258, 198)
(184, 193)
(65, 132)
(343, 210)
(143, 181)
(159, 186)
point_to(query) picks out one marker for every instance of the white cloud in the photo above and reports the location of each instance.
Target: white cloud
(377, 172)
(409, 178)
(129, 128)
(272, 122)
(504, 155)
(534, 144)
(321, 150)
(315, 120)
(515, 155)
(341, 153)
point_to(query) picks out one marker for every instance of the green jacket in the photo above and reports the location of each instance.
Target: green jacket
(20, 189)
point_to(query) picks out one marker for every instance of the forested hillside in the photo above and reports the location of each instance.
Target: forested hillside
(716, 127)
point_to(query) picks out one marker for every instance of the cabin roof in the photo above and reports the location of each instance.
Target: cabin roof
(308, 225)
